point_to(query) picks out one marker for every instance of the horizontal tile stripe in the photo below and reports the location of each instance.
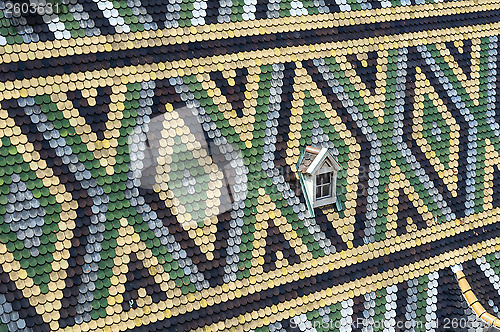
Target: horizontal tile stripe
(385, 270)
(448, 252)
(130, 55)
(171, 68)
(249, 28)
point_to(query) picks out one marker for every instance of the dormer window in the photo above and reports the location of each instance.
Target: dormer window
(317, 170)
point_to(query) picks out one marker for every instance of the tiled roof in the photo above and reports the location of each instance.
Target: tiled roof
(68, 19)
(120, 212)
(310, 154)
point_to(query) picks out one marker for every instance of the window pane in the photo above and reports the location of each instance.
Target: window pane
(323, 185)
(326, 190)
(323, 178)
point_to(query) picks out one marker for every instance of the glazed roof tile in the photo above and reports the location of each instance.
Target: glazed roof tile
(148, 177)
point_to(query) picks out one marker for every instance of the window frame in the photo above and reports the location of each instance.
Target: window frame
(325, 187)
(333, 184)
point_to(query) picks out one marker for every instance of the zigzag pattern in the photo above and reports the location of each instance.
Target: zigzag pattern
(220, 238)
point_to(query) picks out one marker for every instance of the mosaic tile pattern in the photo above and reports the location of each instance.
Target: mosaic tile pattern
(148, 165)
(66, 19)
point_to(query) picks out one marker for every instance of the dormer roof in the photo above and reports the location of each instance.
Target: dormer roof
(313, 159)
